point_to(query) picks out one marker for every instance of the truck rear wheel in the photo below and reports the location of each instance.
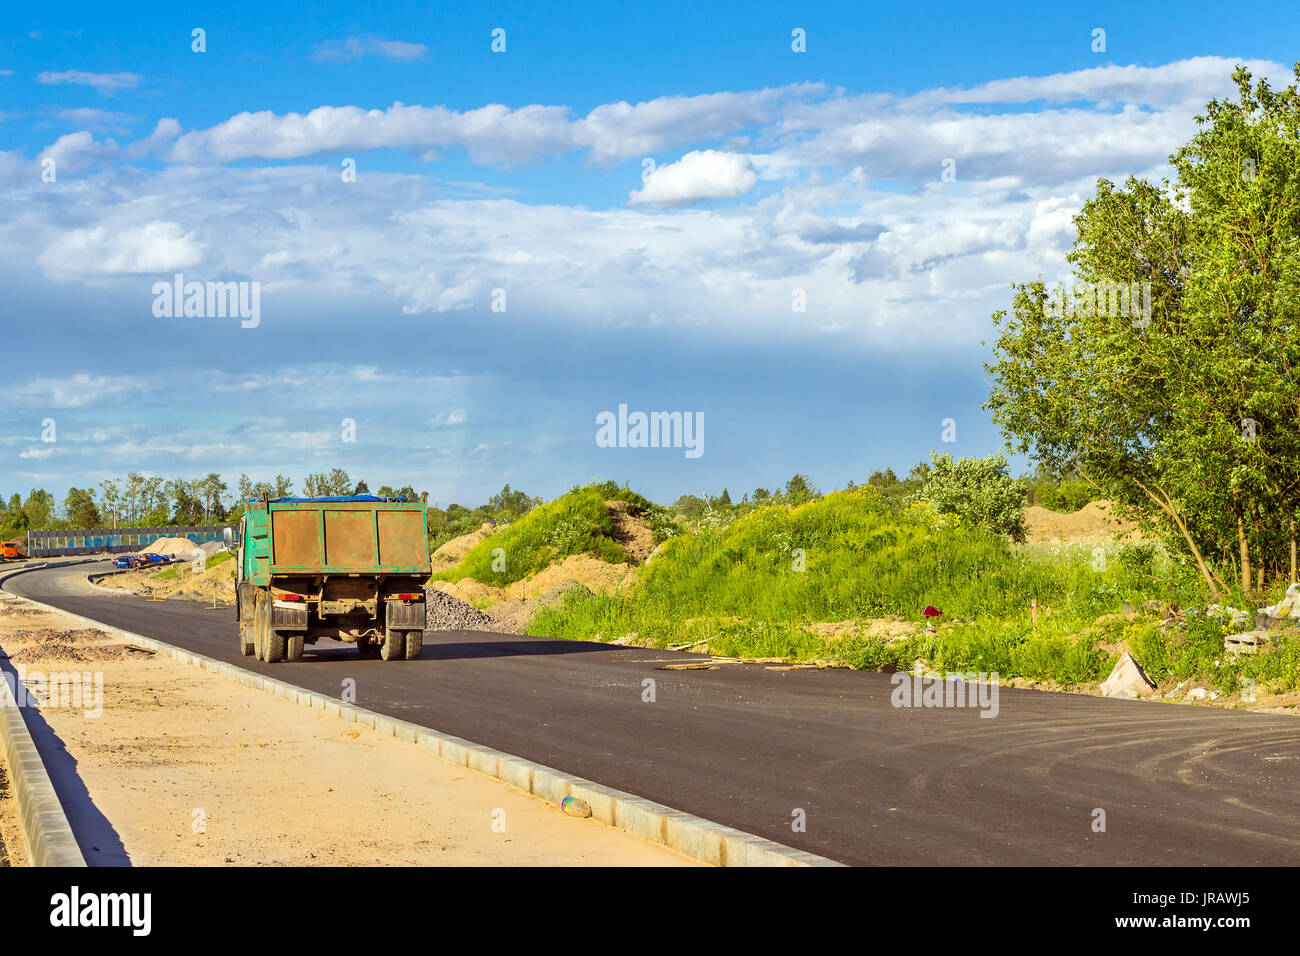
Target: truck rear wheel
(394, 646)
(414, 643)
(293, 647)
(273, 647)
(366, 649)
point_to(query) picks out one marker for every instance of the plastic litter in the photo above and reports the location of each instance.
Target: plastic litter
(575, 807)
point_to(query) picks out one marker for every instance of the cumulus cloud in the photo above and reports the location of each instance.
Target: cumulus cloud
(699, 175)
(106, 84)
(877, 260)
(77, 152)
(491, 134)
(357, 47)
(164, 132)
(155, 247)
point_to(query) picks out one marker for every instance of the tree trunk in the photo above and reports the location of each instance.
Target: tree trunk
(1245, 553)
(1292, 578)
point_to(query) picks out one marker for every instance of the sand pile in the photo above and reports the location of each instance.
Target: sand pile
(595, 574)
(182, 548)
(515, 614)
(1093, 522)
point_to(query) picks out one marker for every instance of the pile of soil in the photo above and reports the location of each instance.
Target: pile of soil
(633, 533)
(515, 614)
(1094, 522)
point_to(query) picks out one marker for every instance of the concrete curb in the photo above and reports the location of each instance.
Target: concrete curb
(688, 834)
(49, 837)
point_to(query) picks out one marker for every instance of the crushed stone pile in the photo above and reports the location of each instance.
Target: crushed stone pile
(446, 613)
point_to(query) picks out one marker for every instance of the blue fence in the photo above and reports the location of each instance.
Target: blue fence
(52, 544)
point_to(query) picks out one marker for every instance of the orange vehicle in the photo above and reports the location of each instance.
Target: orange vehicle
(9, 549)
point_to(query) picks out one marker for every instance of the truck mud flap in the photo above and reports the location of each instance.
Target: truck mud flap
(288, 617)
(401, 616)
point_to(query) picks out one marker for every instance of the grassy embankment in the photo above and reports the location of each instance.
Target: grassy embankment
(736, 585)
(576, 523)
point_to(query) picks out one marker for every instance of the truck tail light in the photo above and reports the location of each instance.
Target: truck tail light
(409, 597)
(290, 597)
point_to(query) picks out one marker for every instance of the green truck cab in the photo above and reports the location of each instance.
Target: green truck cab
(351, 568)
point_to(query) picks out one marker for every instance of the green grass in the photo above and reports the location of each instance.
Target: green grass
(736, 584)
(577, 523)
(221, 557)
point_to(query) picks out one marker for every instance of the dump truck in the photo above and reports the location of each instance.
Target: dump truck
(350, 567)
(9, 550)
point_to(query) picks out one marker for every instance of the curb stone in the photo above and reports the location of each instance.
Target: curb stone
(44, 824)
(686, 833)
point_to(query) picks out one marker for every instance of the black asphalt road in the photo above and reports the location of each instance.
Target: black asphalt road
(747, 746)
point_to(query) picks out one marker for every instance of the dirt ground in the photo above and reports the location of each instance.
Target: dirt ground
(13, 851)
(1091, 523)
(183, 767)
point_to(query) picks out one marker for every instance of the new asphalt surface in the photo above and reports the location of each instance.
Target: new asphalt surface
(819, 760)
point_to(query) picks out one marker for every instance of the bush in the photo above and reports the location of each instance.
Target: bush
(979, 491)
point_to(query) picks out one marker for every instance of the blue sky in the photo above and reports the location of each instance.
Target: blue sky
(650, 187)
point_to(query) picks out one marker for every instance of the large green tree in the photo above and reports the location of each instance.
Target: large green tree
(1167, 375)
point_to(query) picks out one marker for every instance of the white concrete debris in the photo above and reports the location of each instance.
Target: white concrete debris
(1289, 606)
(1126, 680)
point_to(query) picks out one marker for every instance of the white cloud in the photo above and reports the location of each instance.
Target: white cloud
(73, 391)
(491, 134)
(156, 247)
(105, 83)
(699, 175)
(35, 452)
(455, 416)
(878, 261)
(357, 47)
(164, 132)
(78, 152)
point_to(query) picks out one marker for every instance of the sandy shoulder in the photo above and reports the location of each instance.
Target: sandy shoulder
(183, 767)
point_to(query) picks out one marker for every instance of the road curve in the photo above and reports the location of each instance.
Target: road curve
(747, 746)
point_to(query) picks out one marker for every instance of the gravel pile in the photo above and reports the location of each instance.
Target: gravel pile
(84, 644)
(446, 613)
(19, 610)
(65, 653)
